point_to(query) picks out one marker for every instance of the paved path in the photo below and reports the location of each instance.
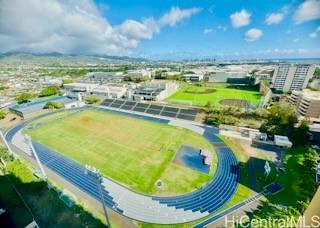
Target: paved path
(236, 211)
(160, 210)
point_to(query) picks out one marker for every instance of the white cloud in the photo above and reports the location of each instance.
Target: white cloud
(240, 18)
(175, 15)
(274, 18)
(307, 11)
(222, 28)
(253, 35)
(75, 26)
(296, 40)
(207, 31)
(313, 35)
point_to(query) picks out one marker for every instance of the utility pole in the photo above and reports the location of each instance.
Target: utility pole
(92, 171)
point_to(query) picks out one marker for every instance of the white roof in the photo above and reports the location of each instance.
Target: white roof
(204, 153)
(280, 140)
(77, 84)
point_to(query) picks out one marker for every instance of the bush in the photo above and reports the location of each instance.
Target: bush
(49, 91)
(24, 98)
(3, 87)
(91, 100)
(4, 154)
(2, 115)
(67, 81)
(53, 105)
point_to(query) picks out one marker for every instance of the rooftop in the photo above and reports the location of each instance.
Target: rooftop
(35, 106)
(308, 94)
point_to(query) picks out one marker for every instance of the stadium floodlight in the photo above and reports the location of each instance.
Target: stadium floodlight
(94, 172)
(29, 142)
(3, 138)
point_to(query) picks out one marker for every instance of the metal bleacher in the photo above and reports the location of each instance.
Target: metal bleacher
(185, 114)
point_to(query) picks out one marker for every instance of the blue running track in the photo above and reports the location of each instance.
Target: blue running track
(207, 199)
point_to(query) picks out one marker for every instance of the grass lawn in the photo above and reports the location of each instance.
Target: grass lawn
(131, 151)
(192, 93)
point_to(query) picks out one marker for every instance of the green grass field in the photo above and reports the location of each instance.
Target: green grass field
(131, 151)
(221, 92)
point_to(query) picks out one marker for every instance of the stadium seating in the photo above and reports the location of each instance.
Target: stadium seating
(186, 114)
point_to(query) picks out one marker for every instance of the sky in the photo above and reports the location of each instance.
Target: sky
(166, 29)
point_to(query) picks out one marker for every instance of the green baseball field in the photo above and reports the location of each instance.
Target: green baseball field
(131, 151)
(217, 94)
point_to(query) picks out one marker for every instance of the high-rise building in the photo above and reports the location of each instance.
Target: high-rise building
(307, 103)
(288, 77)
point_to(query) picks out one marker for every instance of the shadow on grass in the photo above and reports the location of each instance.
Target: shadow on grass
(45, 206)
(297, 180)
(243, 87)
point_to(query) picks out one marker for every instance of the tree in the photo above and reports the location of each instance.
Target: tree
(281, 119)
(4, 154)
(24, 98)
(317, 73)
(2, 115)
(2, 87)
(49, 91)
(53, 105)
(299, 135)
(67, 81)
(91, 100)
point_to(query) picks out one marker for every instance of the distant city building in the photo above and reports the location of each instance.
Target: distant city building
(139, 74)
(49, 81)
(80, 87)
(154, 91)
(307, 103)
(287, 77)
(102, 77)
(192, 77)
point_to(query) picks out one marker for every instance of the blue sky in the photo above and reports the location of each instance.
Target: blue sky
(188, 38)
(163, 29)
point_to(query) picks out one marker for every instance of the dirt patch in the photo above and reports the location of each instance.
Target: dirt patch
(207, 91)
(235, 102)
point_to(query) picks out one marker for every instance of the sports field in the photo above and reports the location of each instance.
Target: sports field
(131, 151)
(201, 95)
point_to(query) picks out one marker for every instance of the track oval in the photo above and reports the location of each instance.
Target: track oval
(160, 210)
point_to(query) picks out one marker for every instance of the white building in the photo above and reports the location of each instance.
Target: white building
(109, 91)
(101, 77)
(154, 91)
(80, 87)
(49, 81)
(287, 77)
(139, 73)
(282, 141)
(307, 103)
(192, 77)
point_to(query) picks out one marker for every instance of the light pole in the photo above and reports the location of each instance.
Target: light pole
(3, 138)
(92, 171)
(29, 142)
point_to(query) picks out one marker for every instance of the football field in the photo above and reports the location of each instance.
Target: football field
(131, 151)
